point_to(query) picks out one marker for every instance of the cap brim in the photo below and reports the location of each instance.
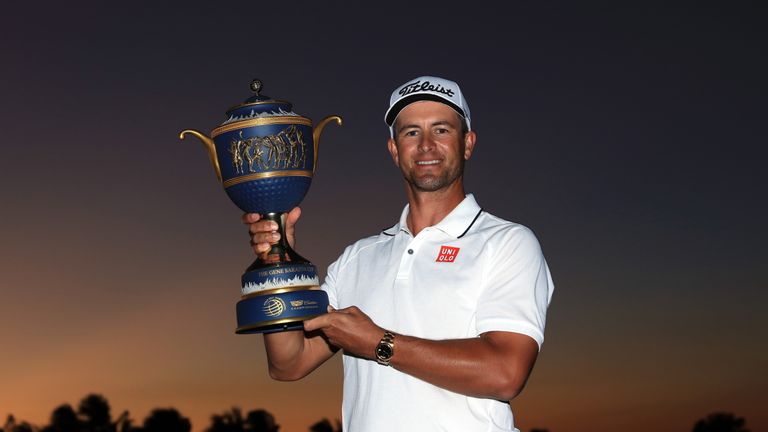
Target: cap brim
(394, 110)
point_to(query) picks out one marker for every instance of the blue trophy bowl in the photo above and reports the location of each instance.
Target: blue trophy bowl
(266, 168)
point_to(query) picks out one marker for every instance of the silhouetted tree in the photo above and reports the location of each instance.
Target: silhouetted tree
(64, 419)
(231, 421)
(720, 422)
(260, 421)
(125, 424)
(12, 426)
(95, 409)
(324, 425)
(166, 420)
(10, 422)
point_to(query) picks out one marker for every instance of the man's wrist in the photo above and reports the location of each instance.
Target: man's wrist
(385, 348)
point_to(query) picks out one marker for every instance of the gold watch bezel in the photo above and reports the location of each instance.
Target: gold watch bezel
(388, 340)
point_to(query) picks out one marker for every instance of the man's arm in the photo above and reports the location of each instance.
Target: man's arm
(494, 365)
(291, 355)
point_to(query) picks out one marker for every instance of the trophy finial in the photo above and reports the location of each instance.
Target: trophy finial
(256, 86)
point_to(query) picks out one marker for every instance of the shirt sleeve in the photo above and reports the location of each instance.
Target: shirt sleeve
(517, 286)
(329, 284)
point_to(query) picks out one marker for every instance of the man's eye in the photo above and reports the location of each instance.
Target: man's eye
(441, 130)
(411, 133)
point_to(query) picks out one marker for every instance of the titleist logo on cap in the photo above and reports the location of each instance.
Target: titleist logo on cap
(424, 86)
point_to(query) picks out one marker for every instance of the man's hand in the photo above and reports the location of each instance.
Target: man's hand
(264, 233)
(349, 329)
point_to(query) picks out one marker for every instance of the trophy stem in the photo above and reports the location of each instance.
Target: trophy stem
(281, 252)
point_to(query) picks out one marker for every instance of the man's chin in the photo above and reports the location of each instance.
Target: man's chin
(429, 183)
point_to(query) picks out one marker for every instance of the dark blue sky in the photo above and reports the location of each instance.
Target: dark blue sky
(631, 139)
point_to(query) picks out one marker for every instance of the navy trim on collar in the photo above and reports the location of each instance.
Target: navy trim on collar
(454, 224)
(470, 225)
(384, 231)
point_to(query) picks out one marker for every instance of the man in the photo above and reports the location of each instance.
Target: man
(441, 316)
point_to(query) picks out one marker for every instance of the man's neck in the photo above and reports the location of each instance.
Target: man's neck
(426, 209)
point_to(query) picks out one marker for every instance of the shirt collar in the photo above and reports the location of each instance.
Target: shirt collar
(455, 224)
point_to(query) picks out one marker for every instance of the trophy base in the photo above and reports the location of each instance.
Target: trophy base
(279, 290)
(280, 311)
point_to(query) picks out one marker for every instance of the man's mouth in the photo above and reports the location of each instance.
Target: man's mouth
(428, 162)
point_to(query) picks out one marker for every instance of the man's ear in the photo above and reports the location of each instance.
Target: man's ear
(392, 147)
(469, 144)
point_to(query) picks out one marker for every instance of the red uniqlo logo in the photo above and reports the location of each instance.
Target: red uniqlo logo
(447, 254)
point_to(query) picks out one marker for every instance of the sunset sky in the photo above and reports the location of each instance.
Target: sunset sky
(632, 140)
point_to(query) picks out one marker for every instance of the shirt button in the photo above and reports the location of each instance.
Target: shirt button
(410, 251)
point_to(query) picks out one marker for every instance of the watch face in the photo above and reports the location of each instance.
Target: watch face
(384, 351)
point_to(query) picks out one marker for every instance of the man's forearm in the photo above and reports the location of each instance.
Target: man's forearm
(284, 350)
(495, 365)
(292, 355)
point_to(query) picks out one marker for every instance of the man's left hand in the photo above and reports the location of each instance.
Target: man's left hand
(349, 329)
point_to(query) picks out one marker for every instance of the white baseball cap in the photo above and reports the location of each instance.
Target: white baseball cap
(426, 88)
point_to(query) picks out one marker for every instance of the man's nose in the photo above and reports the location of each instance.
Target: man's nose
(426, 144)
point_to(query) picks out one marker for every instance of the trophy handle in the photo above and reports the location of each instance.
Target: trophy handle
(208, 142)
(316, 134)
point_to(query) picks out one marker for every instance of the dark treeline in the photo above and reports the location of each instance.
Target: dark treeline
(93, 414)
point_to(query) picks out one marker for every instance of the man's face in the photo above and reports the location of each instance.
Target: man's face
(429, 146)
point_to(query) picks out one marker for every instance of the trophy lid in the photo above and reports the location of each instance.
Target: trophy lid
(259, 106)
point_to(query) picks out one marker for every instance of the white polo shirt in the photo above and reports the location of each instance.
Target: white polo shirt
(471, 273)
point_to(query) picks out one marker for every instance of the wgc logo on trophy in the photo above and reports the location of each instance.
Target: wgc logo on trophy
(265, 155)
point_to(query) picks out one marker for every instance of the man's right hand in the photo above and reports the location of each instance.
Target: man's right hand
(291, 355)
(264, 232)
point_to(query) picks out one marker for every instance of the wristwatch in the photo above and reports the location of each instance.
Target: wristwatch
(385, 349)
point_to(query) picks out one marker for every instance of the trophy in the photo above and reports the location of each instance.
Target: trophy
(265, 155)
